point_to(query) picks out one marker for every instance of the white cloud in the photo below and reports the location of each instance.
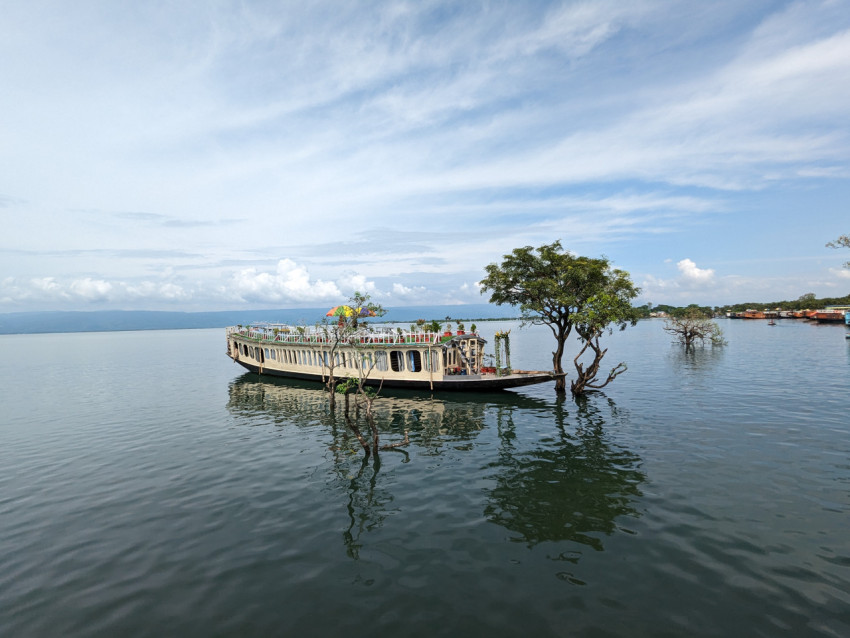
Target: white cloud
(46, 285)
(840, 273)
(409, 293)
(692, 274)
(479, 127)
(289, 283)
(91, 289)
(350, 283)
(157, 291)
(691, 284)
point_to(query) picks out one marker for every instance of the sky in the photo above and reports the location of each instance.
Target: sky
(212, 155)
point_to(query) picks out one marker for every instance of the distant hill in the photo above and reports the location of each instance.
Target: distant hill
(112, 320)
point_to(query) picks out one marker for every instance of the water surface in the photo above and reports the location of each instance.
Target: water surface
(148, 487)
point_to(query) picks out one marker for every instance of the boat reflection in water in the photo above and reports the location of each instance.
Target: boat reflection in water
(431, 422)
(551, 473)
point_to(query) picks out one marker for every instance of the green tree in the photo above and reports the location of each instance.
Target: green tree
(342, 332)
(841, 242)
(693, 325)
(555, 288)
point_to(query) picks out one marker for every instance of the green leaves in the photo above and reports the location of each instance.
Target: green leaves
(551, 286)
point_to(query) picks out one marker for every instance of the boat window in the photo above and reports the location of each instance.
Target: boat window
(381, 361)
(397, 360)
(414, 361)
(252, 354)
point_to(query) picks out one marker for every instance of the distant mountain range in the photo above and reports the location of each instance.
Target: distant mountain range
(111, 320)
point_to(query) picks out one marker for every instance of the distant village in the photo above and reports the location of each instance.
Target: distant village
(827, 310)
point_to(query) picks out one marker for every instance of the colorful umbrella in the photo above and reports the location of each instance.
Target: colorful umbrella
(348, 311)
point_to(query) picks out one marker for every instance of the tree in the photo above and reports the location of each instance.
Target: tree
(342, 330)
(841, 242)
(343, 335)
(691, 326)
(555, 288)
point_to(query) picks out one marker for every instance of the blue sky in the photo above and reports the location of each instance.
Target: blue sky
(218, 155)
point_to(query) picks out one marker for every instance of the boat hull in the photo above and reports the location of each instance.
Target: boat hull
(830, 316)
(458, 383)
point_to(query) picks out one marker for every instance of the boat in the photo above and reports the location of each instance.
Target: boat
(830, 316)
(387, 358)
(847, 317)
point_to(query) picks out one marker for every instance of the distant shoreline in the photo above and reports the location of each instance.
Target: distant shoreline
(50, 322)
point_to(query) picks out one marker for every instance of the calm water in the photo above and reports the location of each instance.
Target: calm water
(149, 488)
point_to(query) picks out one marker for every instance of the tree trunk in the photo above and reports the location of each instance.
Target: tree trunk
(374, 429)
(331, 385)
(353, 426)
(586, 378)
(557, 366)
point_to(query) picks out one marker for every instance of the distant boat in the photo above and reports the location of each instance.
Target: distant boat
(771, 323)
(830, 316)
(847, 319)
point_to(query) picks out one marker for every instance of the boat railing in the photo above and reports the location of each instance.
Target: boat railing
(302, 335)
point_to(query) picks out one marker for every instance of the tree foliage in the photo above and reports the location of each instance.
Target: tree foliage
(692, 326)
(841, 242)
(555, 288)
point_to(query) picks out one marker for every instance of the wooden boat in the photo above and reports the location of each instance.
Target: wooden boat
(829, 316)
(386, 358)
(753, 314)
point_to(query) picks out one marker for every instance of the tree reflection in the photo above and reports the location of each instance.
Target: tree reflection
(572, 487)
(368, 503)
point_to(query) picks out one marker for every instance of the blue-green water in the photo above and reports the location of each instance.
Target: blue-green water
(149, 488)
